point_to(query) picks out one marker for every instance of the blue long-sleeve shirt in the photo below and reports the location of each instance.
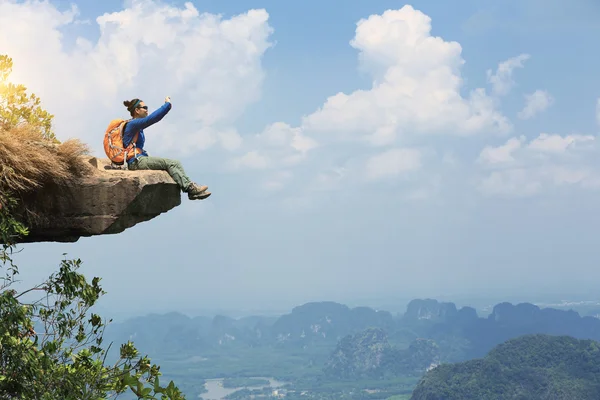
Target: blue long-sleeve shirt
(139, 124)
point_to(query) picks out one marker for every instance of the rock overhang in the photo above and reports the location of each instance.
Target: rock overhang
(108, 201)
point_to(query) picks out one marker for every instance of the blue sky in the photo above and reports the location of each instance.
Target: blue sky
(409, 183)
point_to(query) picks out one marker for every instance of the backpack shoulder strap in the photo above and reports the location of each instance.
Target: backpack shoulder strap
(122, 132)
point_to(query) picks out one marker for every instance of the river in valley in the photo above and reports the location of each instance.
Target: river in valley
(216, 391)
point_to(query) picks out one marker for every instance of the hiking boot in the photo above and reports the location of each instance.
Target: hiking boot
(200, 196)
(194, 189)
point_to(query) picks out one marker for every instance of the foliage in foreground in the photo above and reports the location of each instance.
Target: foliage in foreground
(17, 108)
(51, 345)
(65, 358)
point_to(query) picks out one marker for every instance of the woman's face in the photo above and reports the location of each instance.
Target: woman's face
(141, 110)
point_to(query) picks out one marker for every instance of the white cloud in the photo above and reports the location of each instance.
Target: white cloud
(513, 183)
(526, 182)
(392, 163)
(502, 81)
(550, 160)
(567, 176)
(230, 139)
(281, 135)
(558, 144)
(416, 85)
(210, 66)
(330, 179)
(416, 91)
(544, 143)
(535, 103)
(252, 160)
(280, 144)
(501, 154)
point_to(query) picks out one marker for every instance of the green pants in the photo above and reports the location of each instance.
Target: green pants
(173, 167)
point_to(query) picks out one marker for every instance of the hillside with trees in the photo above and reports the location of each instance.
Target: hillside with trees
(532, 367)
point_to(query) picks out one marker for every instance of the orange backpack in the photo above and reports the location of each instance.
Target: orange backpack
(113, 143)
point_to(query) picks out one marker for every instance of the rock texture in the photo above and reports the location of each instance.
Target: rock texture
(369, 355)
(429, 309)
(107, 202)
(359, 356)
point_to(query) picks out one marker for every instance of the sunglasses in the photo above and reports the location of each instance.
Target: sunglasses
(144, 107)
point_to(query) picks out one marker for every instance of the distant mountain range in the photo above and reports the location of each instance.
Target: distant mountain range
(323, 344)
(460, 334)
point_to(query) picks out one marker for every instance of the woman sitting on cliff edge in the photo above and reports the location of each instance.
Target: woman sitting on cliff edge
(141, 120)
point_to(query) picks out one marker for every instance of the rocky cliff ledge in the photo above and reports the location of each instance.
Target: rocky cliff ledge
(106, 202)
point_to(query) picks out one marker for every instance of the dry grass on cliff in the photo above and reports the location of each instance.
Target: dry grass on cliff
(27, 162)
